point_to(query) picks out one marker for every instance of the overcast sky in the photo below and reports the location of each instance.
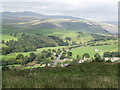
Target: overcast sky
(100, 10)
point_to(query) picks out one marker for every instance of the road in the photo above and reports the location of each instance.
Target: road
(57, 60)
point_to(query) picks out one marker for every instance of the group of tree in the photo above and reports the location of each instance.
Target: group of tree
(59, 41)
(68, 38)
(28, 43)
(20, 59)
(66, 54)
(111, 54)
(103, 38)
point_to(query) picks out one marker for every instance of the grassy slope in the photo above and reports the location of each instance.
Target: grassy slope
(7, 37)
(66, 33)
(63, 33)
(85, 75)
(91, 51)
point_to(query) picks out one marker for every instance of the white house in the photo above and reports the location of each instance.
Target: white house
(81, 61)
(112, 58)
(115, 59)
(107, 58)
(96, 50)
(54, 53)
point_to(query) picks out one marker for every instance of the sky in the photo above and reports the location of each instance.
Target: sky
(100, 10)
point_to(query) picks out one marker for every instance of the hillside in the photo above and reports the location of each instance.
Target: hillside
(85, 75)
(30, 21)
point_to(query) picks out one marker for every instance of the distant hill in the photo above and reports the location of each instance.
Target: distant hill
(111, 22)
(31, 20)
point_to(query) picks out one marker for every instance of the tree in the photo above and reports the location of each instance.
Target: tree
(68, 38)
(11, 61)
(6, 50)
(3, 41)
(46, 61)
(48, 54)
(4, 62)
(78, 36)
(26, 60)
(107, 54)
(74, 43)
(69, 54)
(63, 56)
(74, 61)
(63, 49)
(115, 54)
(78, 57)
(98, 57)
(52, 58)
(49, 50)
(20, 56)
(53, 50)
(44, 51)
(32, 56)
(86, 55)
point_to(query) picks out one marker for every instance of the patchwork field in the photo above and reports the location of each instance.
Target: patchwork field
(91, 50)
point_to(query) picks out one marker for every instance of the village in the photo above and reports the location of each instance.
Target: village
(65, 62)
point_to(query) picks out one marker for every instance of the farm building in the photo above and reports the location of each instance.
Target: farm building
(115, 59)
(112, 58)
(107, 58)
(96, 50)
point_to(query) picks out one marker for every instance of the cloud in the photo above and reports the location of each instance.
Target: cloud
(91, 9)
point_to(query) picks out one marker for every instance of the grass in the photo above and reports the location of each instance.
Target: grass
(2, 45)
(7, 37)
(15, 65)
(90, 50)
(85, 75)
(67, 33)
(46, 48)
(31, 67)
(108, 42)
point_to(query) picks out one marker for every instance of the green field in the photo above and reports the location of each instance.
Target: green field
(67, 33)
(84, 75)
(7, 37)
(2, 45)
(31, 67)
(90, 49)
